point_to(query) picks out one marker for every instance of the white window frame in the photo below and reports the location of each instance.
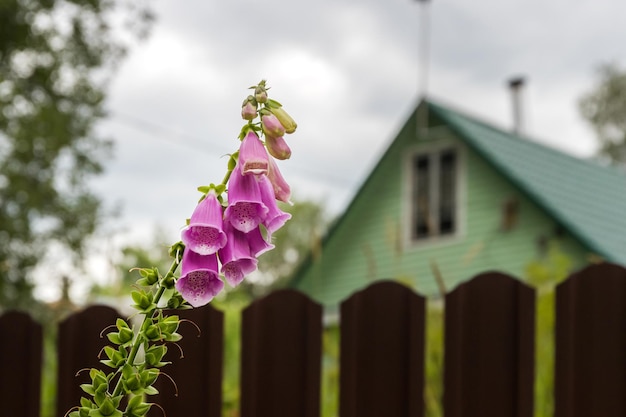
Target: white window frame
(431, 149)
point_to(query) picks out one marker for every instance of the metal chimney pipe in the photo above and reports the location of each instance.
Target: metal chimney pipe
(516, 85)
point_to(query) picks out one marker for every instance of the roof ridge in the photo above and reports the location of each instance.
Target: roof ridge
(531, 140)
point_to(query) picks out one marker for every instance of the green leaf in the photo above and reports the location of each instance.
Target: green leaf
(136, 296)
(169, 324)
(107, 408)
(85, 402)
(155, 354)
(174, 337)
(99, 398)
(204, 189)
(127, 371)
(121, 324)
(142, 410)
(126, 335)
(88, 388)
(134, 402)
(109, 363)
(109, 351)
(114, 337)
(220, 188)
(152, 332)
(149, 376)
(142, 282)
(273, 104)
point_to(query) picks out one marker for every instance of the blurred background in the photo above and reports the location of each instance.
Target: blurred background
(112, 112)
(349, 72)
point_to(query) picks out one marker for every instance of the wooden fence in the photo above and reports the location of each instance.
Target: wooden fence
(489, 353)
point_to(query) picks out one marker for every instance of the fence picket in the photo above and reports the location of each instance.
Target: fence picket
(489, 348)
(280, 356)
(488, 357)
(590, 368)
(79, 344)
(20, 350)
(382, 352)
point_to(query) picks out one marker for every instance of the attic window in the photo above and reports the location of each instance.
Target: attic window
(434, 194)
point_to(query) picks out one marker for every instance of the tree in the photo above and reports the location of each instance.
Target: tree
(56, 57)
(604, 107)
(154, 253)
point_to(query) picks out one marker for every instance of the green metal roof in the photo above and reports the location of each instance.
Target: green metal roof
(587, 199)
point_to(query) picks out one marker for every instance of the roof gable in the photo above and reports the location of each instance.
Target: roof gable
(587, 199)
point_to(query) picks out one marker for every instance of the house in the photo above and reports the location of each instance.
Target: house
(454, 196)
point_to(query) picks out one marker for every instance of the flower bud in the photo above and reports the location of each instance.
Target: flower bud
(248, 108)
(282, 191)
(285, 119)
(107, 408)
(277, 147)
(168, 281)
(175, 301)
(260, 93)
(152, 332)
(126, 335)
(271, 125)
(149, 376)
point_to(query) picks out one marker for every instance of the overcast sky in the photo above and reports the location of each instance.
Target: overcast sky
(348, 72)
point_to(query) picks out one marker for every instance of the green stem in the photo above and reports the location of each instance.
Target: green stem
(147, 318)
(227, 176)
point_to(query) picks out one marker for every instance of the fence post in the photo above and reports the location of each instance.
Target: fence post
(20, 378)
(196, 368)
(79, 344)
(382, 352)
(590, 366)
(489, 348)
(281, 356)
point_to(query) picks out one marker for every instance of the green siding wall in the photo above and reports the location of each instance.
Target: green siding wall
(368, 242)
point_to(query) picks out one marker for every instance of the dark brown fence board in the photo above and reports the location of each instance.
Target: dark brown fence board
(280, 356)
(20, 375)
(590, 366)
(489, 348)
(198, 374)
(79, 344)
(489, 353)
(382, 352)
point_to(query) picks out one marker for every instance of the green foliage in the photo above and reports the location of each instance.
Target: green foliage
(300, 235)
(544, 274)
(232, 305)
(55, 60)
(330, 371)
(433, 384)
(604, 107)
(131, 376)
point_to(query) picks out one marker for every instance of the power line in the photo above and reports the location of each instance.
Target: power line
(191, 142)
(167, 133)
